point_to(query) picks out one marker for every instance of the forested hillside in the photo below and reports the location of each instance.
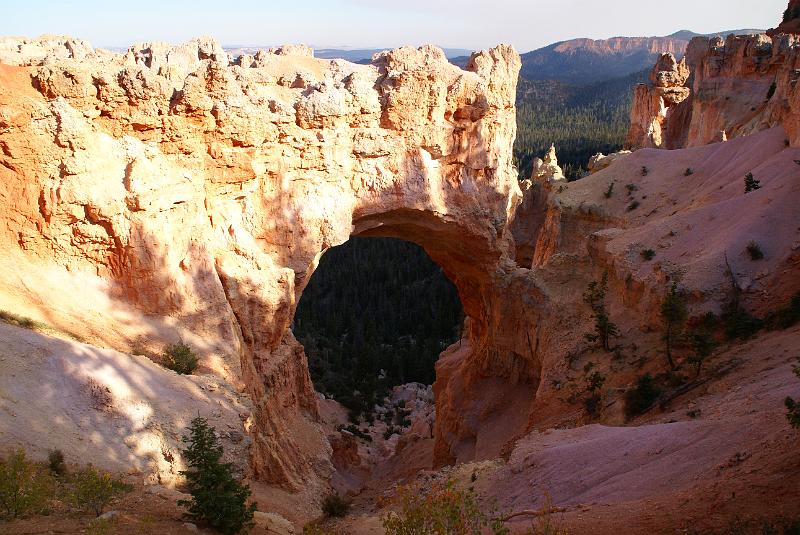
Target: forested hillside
(581, 121)
(376, 313)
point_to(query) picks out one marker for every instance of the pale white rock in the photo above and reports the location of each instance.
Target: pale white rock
(547, 169)
(274, 523)
(600, 161)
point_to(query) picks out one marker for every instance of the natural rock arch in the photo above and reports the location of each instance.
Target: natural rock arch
(197, 194)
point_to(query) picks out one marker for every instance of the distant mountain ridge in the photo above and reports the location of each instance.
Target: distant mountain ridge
(587, 61)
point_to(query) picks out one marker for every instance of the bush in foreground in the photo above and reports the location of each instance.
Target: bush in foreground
(180, 358)
(56, 464)
(218, 499)
(93, 489)
(641, 397)
(25, 487)
(335, 506)
(442, 510)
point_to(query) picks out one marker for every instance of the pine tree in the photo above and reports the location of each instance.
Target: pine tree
(750, 183)
(793, 406)
(604, 328)
(217, 498)
(674, 313)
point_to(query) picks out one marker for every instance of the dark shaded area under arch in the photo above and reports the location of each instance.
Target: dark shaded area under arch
(376, 313)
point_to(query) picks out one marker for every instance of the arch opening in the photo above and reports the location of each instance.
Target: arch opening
(375, 314)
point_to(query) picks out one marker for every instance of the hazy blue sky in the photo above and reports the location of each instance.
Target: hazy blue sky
(464, 24)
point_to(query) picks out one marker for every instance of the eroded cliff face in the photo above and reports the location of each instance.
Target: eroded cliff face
(734, 87)
(654, 106)
(191, 196)
(790, 23)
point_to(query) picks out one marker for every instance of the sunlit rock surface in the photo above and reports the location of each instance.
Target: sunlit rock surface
(174, 192)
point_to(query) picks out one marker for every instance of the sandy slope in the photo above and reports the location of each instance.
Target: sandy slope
(118, 411)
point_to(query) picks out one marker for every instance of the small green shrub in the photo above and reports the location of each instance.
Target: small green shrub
(641, 397)
(648, 254)
(594, 385)
(25, 488)
(771, 91)
(56, 464)
(335, 506)
(441, 510)
(644, 171)
(604, 328)
(633, 206)
(673, 314)
(754, 251)
(671, 378)
(739, 324)
(689, 172)
(92, 489)
(218, 499)
(793, 406)
(101, 526)
(19, 321)
(784, 317)
(701, 339)
(750, 183)
(546, 524)
(180, 358)
(631, 188)
(610, 191)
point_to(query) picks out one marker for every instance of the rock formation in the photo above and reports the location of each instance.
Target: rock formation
(173, 193)
(654, 106)
(739, 85)
(190, 196)
(547, 169)
(600, 161)
(790, 23)
(529, 218)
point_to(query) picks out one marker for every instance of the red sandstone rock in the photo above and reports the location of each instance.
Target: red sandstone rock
(654, 106)
(197, 195)
(739, 85)
(791, 20)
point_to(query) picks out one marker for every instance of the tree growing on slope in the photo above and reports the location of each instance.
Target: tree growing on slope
(674, 314)
(793, 406)
(750, 183)
(604, 328)
(218, 499)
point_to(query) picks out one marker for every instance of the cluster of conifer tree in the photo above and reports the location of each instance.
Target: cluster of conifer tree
(376, 313)
(580, 120)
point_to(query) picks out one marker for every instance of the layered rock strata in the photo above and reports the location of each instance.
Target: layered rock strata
(733, 87)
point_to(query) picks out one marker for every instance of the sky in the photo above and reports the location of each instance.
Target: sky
(470, 24)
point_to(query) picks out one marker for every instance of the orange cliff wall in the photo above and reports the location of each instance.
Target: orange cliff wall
(730, 94)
